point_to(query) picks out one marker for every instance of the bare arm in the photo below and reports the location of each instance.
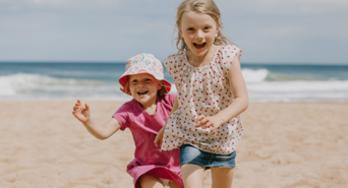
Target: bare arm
(159, 136)
(175, 106)
(239, 104)
(100, 131)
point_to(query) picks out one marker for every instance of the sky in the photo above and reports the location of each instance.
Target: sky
(268, 31)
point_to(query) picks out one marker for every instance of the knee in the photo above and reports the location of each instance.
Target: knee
(145, 179)
(149, 181)
(192, 175)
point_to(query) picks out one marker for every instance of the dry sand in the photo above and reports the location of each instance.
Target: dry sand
(285, 145)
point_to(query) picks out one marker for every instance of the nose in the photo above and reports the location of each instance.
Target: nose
(199, 34)
(142, 83)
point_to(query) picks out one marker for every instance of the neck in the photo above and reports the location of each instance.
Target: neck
(149, 105)
(151, 109)
(201, 60)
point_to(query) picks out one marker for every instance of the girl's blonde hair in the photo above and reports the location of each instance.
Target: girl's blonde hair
(203, 7)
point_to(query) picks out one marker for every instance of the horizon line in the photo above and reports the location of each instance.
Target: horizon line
(125, 61)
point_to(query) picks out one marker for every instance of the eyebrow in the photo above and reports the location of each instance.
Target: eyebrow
(146, 78)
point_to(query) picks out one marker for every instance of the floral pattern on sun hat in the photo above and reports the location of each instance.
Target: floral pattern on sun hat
(143, 63)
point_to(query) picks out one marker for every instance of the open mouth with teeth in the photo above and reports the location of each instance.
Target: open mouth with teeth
(142, 93)
(199, 46)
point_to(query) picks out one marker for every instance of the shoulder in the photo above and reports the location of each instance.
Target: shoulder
(168, 99)
(228, 54)
(175, 63)
(174, 58)
(171, 97)
(128, 106)
(125, 113)
(229, 51)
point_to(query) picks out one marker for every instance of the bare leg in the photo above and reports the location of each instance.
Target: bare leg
(222, 177)
(172, 184)
(192, 175)
(147, 181)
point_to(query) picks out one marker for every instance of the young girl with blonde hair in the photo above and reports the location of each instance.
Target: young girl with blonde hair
(205, 122)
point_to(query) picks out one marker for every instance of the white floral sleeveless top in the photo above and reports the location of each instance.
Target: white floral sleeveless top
(203, 90)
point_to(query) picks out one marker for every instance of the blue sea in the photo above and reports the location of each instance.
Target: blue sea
(72, 80)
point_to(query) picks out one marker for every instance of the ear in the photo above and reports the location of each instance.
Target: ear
(180, 35)
(126, 88)
(159, 85)
(217, 32)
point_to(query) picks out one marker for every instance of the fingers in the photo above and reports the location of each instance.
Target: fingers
(77, 109)
(157, 141)
(206, 125)
(86, 109)
(200, 117)
(77, 105)
(80, 108)
(203, 122)
(81, 111)
(158, 138)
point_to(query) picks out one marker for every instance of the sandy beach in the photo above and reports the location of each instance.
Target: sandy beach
(285, 145)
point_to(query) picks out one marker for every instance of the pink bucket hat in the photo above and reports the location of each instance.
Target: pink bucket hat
(143, 63)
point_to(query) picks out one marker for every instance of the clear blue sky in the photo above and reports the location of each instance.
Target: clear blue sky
(292, 31)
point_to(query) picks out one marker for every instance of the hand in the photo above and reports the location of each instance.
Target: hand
(206, 122)
(81, 112)
(159, 137)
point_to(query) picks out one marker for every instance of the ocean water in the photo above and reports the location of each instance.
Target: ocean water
(265, 82)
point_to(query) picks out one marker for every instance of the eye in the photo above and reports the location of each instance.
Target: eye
(206, 28)
(134, 82)
(190, 29)
(147, 81)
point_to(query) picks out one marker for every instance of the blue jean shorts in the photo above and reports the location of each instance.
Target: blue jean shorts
(192, 155)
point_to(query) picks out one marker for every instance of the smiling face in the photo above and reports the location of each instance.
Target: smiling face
(198, 32)
(143, 88)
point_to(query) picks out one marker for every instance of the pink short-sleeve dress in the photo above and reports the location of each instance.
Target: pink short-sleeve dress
(148, 158)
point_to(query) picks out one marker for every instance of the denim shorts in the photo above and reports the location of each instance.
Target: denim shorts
(192, 155)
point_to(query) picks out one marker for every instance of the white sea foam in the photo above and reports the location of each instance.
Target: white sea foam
(333, 90)
(33, 86)
(257, 75)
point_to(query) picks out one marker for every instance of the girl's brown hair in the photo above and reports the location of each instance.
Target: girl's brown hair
(203, 7)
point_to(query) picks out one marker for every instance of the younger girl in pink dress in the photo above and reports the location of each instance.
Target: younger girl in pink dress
(144, 115)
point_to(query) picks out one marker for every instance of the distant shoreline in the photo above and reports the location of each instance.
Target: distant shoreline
(125, 61)
(265, 82)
